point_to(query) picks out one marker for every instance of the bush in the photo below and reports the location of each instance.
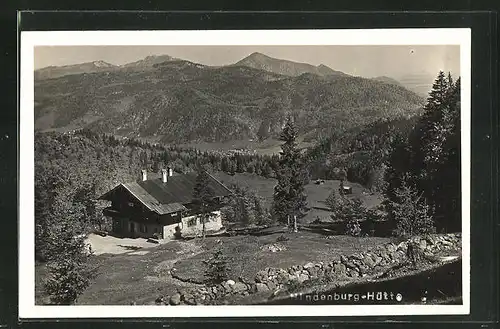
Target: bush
(353, 228)
(410, 212)
(217, 270)
(69, 271)
(282, 238)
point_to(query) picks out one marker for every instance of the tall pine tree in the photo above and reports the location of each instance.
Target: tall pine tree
(430, 159)
(203, 197)
(289, 197)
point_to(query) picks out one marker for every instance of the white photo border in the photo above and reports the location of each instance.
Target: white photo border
(389, 37)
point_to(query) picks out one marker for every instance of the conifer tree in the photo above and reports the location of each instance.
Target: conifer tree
(203, 197)
(69, 270)
(290, 199)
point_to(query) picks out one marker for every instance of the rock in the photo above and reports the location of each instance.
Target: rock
(261, 276)
(377, 260)
(369, 262)
(354, 273)
(340, 269)
(302, 277)
(351, 265)
(261, 287)
(391, 247)
(239, 287)
(313, 272)
(308, 265)
(271, 285)
(422, 244)
(282, 277)
(343, 259)
(358, 256)
(161, 300)
(175, 299)
(230, 282)
(188, 299)
(402, 246)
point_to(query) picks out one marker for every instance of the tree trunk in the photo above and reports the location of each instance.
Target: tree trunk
(288, 221)
(295, 224)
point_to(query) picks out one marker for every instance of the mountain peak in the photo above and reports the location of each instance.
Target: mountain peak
(102, 64)
(150, 61)
(261, 61)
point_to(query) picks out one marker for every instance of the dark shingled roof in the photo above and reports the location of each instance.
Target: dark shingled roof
(171, 196)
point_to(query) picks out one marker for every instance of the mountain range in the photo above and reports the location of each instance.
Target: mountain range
(178, 101)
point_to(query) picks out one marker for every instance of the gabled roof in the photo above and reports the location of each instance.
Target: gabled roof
(171, 196)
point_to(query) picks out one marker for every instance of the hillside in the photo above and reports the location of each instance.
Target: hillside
(149, 61)
(388, 80)
(284, 67)
(179, 101)
(52, 72)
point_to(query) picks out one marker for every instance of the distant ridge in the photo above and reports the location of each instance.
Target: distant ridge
(285, 67)
(52, 72)
(150, 61)
(388, 80)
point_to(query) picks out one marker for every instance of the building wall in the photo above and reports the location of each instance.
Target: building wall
(187, 228)
(146, 230)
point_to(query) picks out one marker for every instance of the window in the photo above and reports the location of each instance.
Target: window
(144, 228)
(192, 222)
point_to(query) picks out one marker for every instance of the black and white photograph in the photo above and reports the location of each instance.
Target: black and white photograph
(304, 173)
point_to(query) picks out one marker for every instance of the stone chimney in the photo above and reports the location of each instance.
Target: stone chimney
(170, 171)
(144, 175)
(164, 175)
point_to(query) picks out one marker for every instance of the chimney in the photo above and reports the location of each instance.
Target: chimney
(170, 172)
(164, 175)
(144, 175)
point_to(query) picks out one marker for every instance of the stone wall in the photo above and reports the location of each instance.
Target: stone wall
(340, 268)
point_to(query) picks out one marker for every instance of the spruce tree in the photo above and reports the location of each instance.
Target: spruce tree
(289, 198)
(203, 198)
(69, 270)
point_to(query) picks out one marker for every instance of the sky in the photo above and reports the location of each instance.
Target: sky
(366, 61)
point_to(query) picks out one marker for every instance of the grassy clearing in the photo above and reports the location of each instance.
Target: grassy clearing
(316, 194)
(126, 278)
(246, 257)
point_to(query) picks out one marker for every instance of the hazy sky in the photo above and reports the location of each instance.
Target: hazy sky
(367, 61)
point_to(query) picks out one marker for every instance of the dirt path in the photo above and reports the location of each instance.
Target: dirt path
(113, 245)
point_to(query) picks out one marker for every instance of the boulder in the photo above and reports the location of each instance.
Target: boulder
(369, 262)
(391, 247)
(261, 276)
(302, 277)
(239, 287)
(231, 282)
(313, 272)
(422, 244)
(175, 299)
(271, 285)
(261, 287)
(308, 265)
(189, 299)
(340, 269)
